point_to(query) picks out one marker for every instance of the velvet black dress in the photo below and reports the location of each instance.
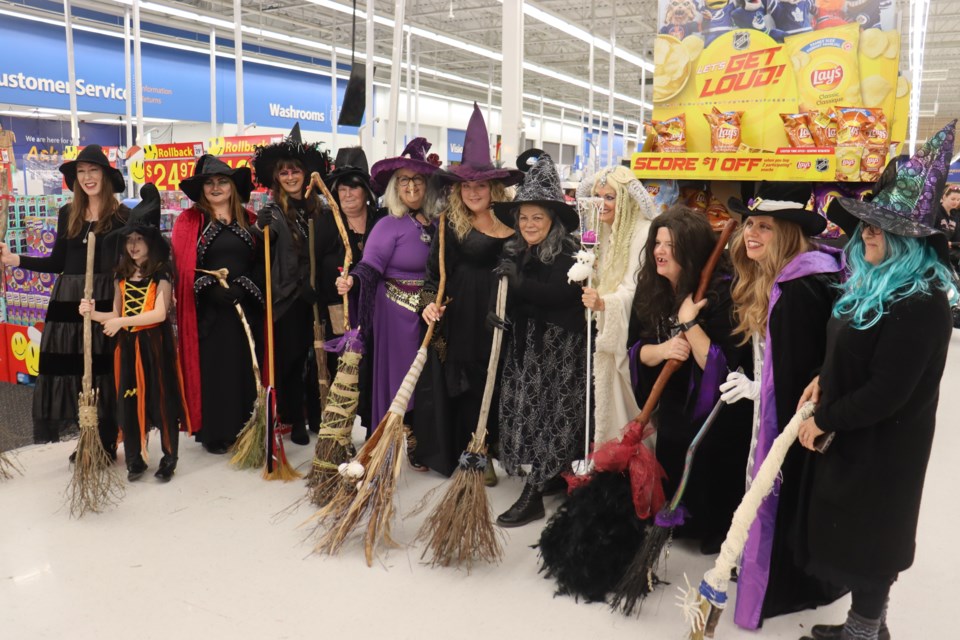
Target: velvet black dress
(450, 389)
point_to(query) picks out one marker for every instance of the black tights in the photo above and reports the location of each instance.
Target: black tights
(871, 601)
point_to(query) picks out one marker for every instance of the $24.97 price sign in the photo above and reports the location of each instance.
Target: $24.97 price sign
(168, 174)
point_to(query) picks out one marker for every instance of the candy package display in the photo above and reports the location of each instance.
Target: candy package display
(823, 127)
(663, 192)
(797, 128)
(826, 66)
(725, 130)
(671, 134)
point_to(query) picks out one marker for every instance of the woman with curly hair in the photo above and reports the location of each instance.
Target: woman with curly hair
(624, 224)
(783, 292)
(448, 394)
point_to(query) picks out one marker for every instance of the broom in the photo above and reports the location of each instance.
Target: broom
(370, 480)
(248, 450)
(94, 485)
(276, 466)
(460, 529)
(702, 607)
(638, 580)
(334, 440)
(323, 375)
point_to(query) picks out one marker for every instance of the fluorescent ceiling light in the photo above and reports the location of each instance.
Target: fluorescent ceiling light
(133, 120)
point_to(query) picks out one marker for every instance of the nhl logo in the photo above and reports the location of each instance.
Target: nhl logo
(822, 164)
(741, 40)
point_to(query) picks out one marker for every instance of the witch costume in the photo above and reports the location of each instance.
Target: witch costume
(389, 279)
(61, 345)
(771, 580)
(544, 370)
(450, 390)
(293, 293)
(879, 389)
(149, 384)
(214, 351)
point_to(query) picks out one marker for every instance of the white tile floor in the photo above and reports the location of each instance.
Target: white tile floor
(206, 556)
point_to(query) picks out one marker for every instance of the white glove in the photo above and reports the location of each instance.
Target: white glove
(738, 387)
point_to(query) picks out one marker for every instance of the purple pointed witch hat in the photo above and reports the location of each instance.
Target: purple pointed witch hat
(906, 203)
(476, 165)
(414, 158)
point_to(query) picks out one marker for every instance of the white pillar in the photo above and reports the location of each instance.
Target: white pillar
(643, 96)
(563, 115)
(367, 141)
(416, 97)
(138, 70)
(512, 76)
(395, 71)
(71, 75)
(213, 82)
(613, 84)
(238, 62)
(540, 134)
(128, 93)
(333, 94)
(409, 112)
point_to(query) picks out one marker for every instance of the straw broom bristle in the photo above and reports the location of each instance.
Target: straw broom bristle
(334, 440)
(248, 450)
(460, 529)
(95, 485)
(8, 466)
(282, 471)
(639, 579)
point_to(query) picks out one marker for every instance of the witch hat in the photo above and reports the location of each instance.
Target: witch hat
(291, 148)
(476, 165)
(209, 165)
(413, 157)
(788, 201)
(93, 153)
(541, 187)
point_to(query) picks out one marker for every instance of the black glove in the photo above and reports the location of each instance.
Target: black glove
(496, 322)
(308, 294)
(509, 269)
(225, 296)
(264, 218)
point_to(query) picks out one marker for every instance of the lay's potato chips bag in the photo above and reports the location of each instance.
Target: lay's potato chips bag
(725, 130)
(852, 126)
(671, 134)
(826, 66)
(848, 163)
(872, 162)
(823, 127)
(797, 127)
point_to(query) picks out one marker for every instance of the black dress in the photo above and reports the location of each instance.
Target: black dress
(450, 389)
(61, 345)
(226, 374)
(716, 483)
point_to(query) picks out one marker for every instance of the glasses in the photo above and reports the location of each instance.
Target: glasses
(872, 229)
(415, 180)
(290, 173)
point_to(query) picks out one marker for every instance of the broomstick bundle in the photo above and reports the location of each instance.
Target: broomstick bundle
(367, 490)
(460, 529)
(94, 485)
(8, 466)
(334, 440)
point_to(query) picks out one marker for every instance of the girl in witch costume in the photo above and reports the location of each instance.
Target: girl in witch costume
(285, 169)
(450, 391)
(351, 188)
(217, 232)
(390, 276)
(783, 292)
(624, 225)
(94, 208)
(541, 388)
(878, 390)
(666, 324)
(148, 382)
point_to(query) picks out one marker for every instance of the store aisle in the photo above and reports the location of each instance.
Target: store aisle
(207, 556)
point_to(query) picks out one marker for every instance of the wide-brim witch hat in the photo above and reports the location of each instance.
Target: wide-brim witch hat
(144, 219)
(476, 165)
(93, 154)
(413, 157)
(351, 163)
(907, 196)
(291, 148)
(208, 166)
(528, 158)
(788, 201)
(541, 187)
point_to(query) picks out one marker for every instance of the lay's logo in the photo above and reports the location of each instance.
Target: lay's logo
(848, 162)
(827, 79)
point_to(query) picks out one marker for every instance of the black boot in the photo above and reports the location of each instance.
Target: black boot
(855, 628)
(835, 632)
(165, 471)
(527, 508)
(298, 433)
(135, 469)
(555, 485)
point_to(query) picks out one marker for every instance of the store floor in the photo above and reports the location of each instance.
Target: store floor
(208, 556)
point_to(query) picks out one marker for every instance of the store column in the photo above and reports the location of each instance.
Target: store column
(512, 76)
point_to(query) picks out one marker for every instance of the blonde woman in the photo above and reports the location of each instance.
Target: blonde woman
(783, 293)
(390, 276)
(94, 208)
(624, 224)
(450, 390)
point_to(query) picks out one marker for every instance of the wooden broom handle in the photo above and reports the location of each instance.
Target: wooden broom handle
(671, 366)
(441, 287)
(311, 237)
(316, 181)
(266, 257)
(87, 320)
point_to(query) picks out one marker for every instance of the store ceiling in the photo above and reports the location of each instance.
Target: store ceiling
(478, 22)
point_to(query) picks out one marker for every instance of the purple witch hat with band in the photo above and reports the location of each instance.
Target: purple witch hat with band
(414, 158)
(476, 165)
(906, 205)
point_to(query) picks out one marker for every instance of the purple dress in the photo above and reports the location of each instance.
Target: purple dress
(390, 278)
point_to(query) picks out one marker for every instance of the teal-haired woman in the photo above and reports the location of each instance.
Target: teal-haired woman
(878, 390)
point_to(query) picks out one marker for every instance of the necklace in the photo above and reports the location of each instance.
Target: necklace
(425, 236)
(86, 231)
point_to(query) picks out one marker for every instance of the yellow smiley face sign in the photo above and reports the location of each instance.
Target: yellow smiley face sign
(27, 349)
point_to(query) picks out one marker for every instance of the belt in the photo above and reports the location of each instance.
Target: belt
(405, 293)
